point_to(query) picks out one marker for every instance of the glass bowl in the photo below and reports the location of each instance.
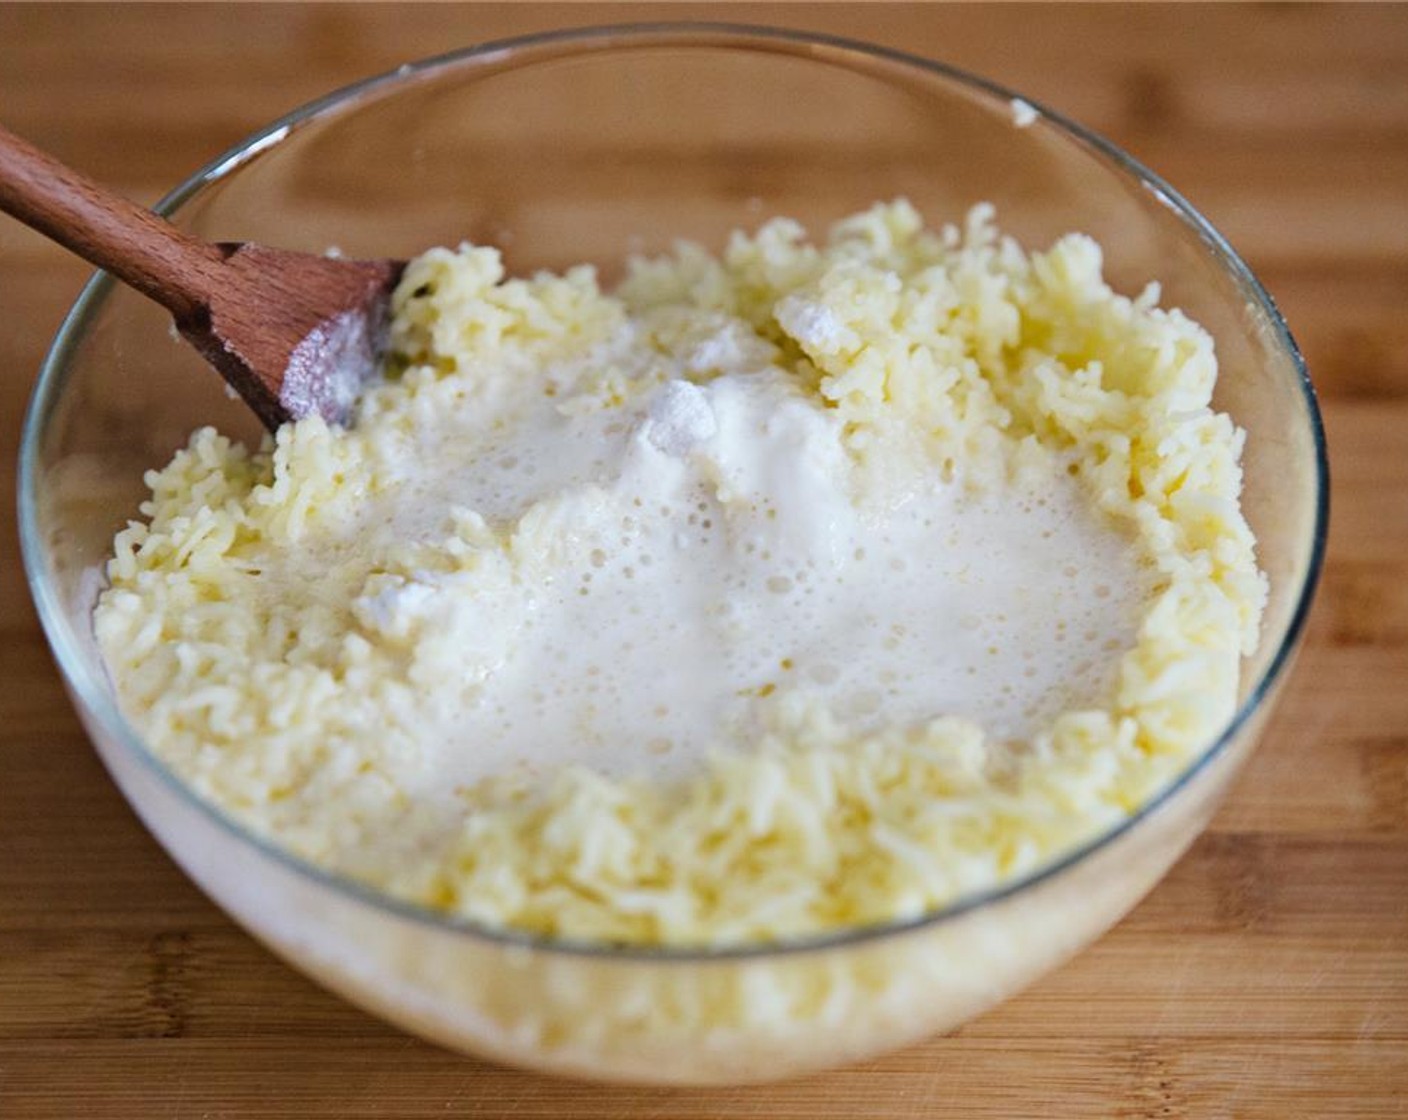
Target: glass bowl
(592, 145)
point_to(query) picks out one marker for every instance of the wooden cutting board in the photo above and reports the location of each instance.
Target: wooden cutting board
(1267, 976)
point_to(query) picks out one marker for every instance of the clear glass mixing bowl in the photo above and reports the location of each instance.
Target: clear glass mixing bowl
(592, 145)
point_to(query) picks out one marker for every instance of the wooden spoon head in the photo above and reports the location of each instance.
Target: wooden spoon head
(296, 334)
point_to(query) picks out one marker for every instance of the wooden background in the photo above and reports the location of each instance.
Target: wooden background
(1268, 975)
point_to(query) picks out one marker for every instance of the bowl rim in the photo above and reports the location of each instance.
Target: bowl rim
(92, 693)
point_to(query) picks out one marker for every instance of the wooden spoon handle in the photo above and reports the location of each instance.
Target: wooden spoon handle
(178, 271)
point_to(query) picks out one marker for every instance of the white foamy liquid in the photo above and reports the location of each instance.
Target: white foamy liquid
(709, 556)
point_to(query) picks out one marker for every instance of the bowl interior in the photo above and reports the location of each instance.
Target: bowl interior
(596, 146)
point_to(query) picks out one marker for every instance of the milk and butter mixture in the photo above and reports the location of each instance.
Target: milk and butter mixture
(720, 546)
(804, 587)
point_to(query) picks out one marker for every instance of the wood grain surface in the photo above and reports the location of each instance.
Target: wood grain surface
(1266, 977)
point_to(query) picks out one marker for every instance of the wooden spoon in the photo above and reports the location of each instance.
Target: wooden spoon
(293, 333)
